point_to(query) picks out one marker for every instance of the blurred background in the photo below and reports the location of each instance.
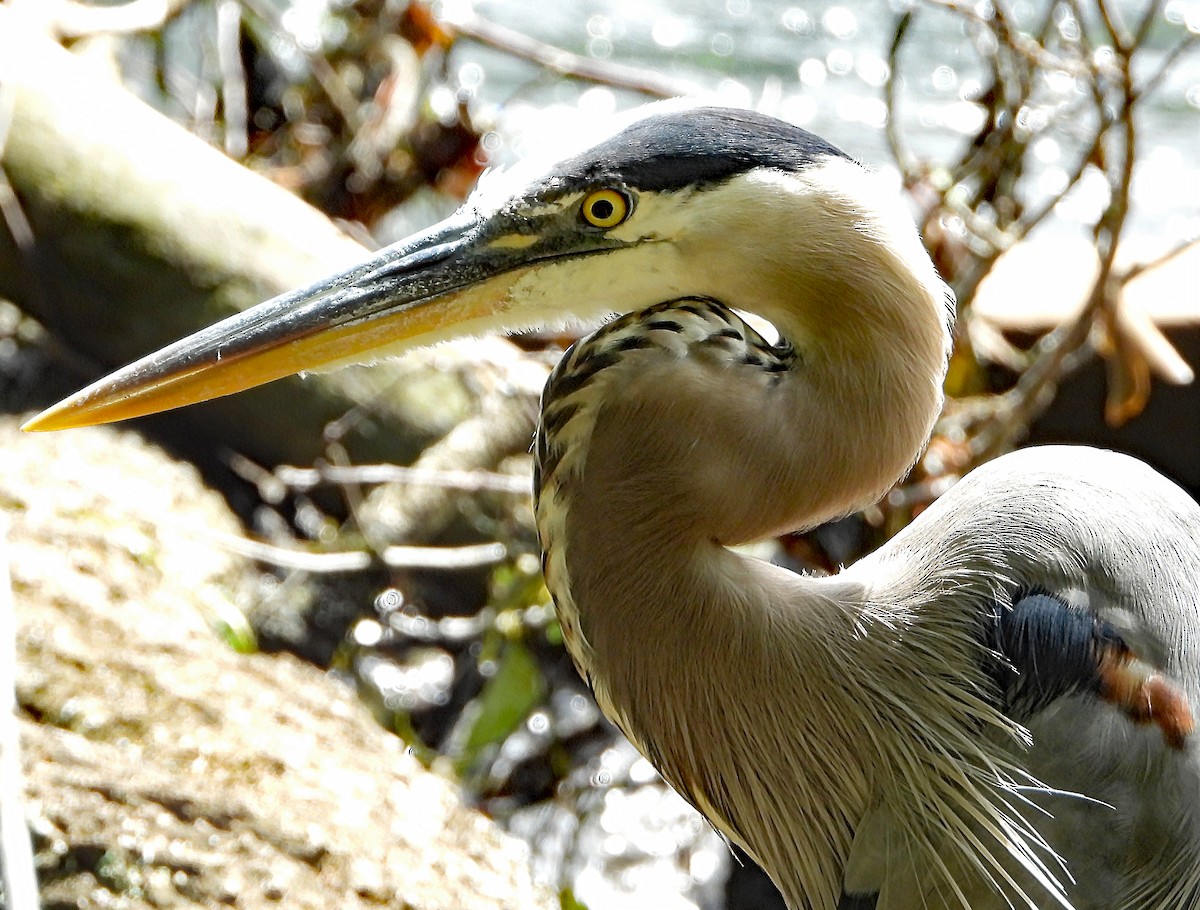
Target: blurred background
(383, 530)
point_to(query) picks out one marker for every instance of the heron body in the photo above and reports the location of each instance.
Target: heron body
(992, 710)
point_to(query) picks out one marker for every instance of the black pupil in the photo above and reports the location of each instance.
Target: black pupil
(602, 209)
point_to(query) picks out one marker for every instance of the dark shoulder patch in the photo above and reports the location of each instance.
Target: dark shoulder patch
(670, 151)
(1046, 649)
(664, 325)
(633, 343)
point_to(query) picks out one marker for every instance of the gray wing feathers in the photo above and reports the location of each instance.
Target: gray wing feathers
(1074, 519)
(1105, 532)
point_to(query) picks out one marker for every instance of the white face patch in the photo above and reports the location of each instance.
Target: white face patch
(661, 217)
(591, 286)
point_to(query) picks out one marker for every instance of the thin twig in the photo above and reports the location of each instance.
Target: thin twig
(573, 66)
(234, 103)
(326, 76)
(1142, 267)
(471, 556)
(336, 456)
(901, 154)
(1118, 34)
(1087, 157)
(1031, 393)
(1153, 8)
(11, 211)
(305, 479)
(1022, 44)
(1155, 79)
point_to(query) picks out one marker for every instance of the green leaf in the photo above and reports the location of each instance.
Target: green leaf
(516, 688)
(568, 901)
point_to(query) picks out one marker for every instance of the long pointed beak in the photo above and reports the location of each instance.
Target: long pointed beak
(419, 288)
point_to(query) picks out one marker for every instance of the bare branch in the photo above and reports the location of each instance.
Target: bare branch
(904, 158)
(1153, 8)
(305, 479)
(1022, 44)
(471, 556)
(1173, 55)
(1118, 34)
(234, 102)
(1035, 387)
(573, 66)
(1142, 267)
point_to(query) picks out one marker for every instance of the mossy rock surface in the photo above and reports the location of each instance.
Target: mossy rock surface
(163, 769)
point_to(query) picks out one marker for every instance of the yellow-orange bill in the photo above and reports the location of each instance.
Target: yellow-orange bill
(136, 392)
(413, 293)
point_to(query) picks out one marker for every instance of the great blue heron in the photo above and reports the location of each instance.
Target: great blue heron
(992, 710)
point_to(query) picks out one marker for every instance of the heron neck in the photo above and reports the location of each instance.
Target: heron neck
(699, 619)
(655, 456)
(689, 645)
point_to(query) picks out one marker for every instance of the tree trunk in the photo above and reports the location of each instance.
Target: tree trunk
(126, 232)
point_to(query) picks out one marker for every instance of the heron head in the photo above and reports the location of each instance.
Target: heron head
(733, 205)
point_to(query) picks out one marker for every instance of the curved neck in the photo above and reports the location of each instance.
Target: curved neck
(664, 439)
(675, 432)
(738, 445)
(690, 645)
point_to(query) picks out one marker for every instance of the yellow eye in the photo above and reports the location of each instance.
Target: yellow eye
(605, 208)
